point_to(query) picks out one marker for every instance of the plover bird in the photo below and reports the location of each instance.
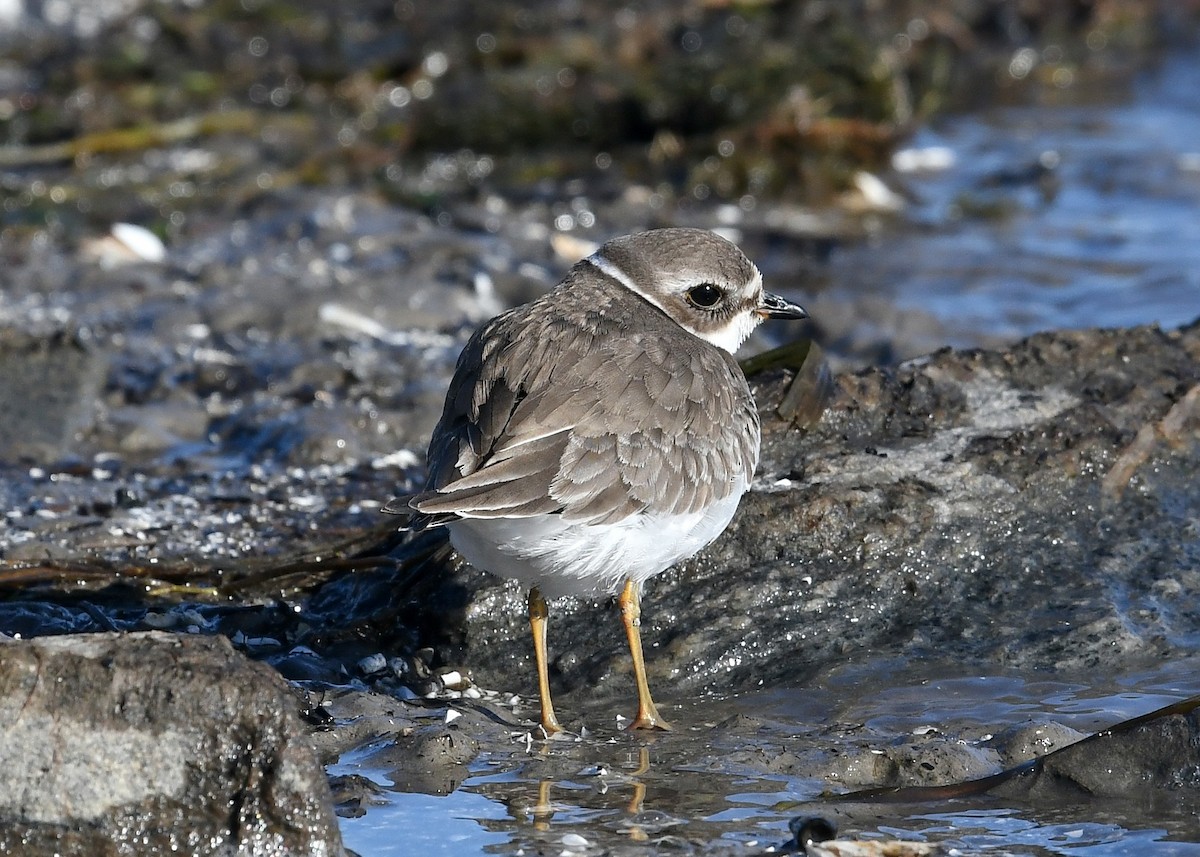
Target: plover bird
(598, 435)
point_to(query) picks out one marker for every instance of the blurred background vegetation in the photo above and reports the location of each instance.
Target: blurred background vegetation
(716, 98)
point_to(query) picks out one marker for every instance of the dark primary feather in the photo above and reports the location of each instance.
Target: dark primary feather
(531, 427)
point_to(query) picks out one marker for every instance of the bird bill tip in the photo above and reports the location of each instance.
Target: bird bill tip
(773, 306)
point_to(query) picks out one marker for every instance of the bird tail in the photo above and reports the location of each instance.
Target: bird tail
(404, 506)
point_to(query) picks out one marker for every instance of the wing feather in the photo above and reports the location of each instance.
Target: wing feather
(527, 429)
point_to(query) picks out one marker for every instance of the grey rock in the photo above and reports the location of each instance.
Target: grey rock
(1158, 753)
(154, 743)
(362, 718)
(423, 746)
(929, 762)
(48, 390)
(430, 759)
(1019, 744)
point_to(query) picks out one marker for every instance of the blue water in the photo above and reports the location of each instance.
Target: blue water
(411, 824)
(1107, 234)
(696, 789)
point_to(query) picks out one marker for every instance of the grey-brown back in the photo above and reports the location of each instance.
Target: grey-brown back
(591, 403)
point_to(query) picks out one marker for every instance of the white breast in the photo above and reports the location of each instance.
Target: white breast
(579, 559)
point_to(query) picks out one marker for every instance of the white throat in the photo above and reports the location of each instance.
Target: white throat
(729, 337)
(732, 335)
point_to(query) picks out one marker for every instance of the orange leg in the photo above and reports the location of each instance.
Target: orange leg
(543, 813)
(537, 622)
(639, 787)
(631, 616)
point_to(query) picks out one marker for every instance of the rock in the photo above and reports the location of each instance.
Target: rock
(154, 743)
(1159, 752)
(431, 759)
(419, 747)
(1019, 744)
(362, 718)
(48, 390)
(1152, 759)
(941, 760)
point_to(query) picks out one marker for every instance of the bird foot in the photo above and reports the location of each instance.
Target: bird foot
(550, 728)
(650, 720)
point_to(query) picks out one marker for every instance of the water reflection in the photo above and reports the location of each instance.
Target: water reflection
(576, 794)
(617, 790)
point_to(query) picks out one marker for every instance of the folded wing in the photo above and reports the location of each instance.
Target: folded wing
(639, 423)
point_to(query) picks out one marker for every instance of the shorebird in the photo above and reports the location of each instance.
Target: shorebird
(603, 432)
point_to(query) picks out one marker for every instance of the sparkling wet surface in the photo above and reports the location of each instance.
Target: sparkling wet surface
(612, 791)
(1050, 216)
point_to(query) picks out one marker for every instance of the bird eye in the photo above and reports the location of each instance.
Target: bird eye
(705, 295)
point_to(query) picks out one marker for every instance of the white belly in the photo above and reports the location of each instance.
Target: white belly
(576, 559)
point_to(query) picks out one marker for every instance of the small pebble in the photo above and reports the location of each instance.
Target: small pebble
(372, 664)
(928, 159)
(162, 621)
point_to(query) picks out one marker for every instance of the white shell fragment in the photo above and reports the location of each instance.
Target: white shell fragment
(928, 159)
(141, 242)
(125, 244)
(875, 194)
(574, 842)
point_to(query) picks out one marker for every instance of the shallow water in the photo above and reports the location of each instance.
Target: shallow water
(1059, 216)
(706, 784)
